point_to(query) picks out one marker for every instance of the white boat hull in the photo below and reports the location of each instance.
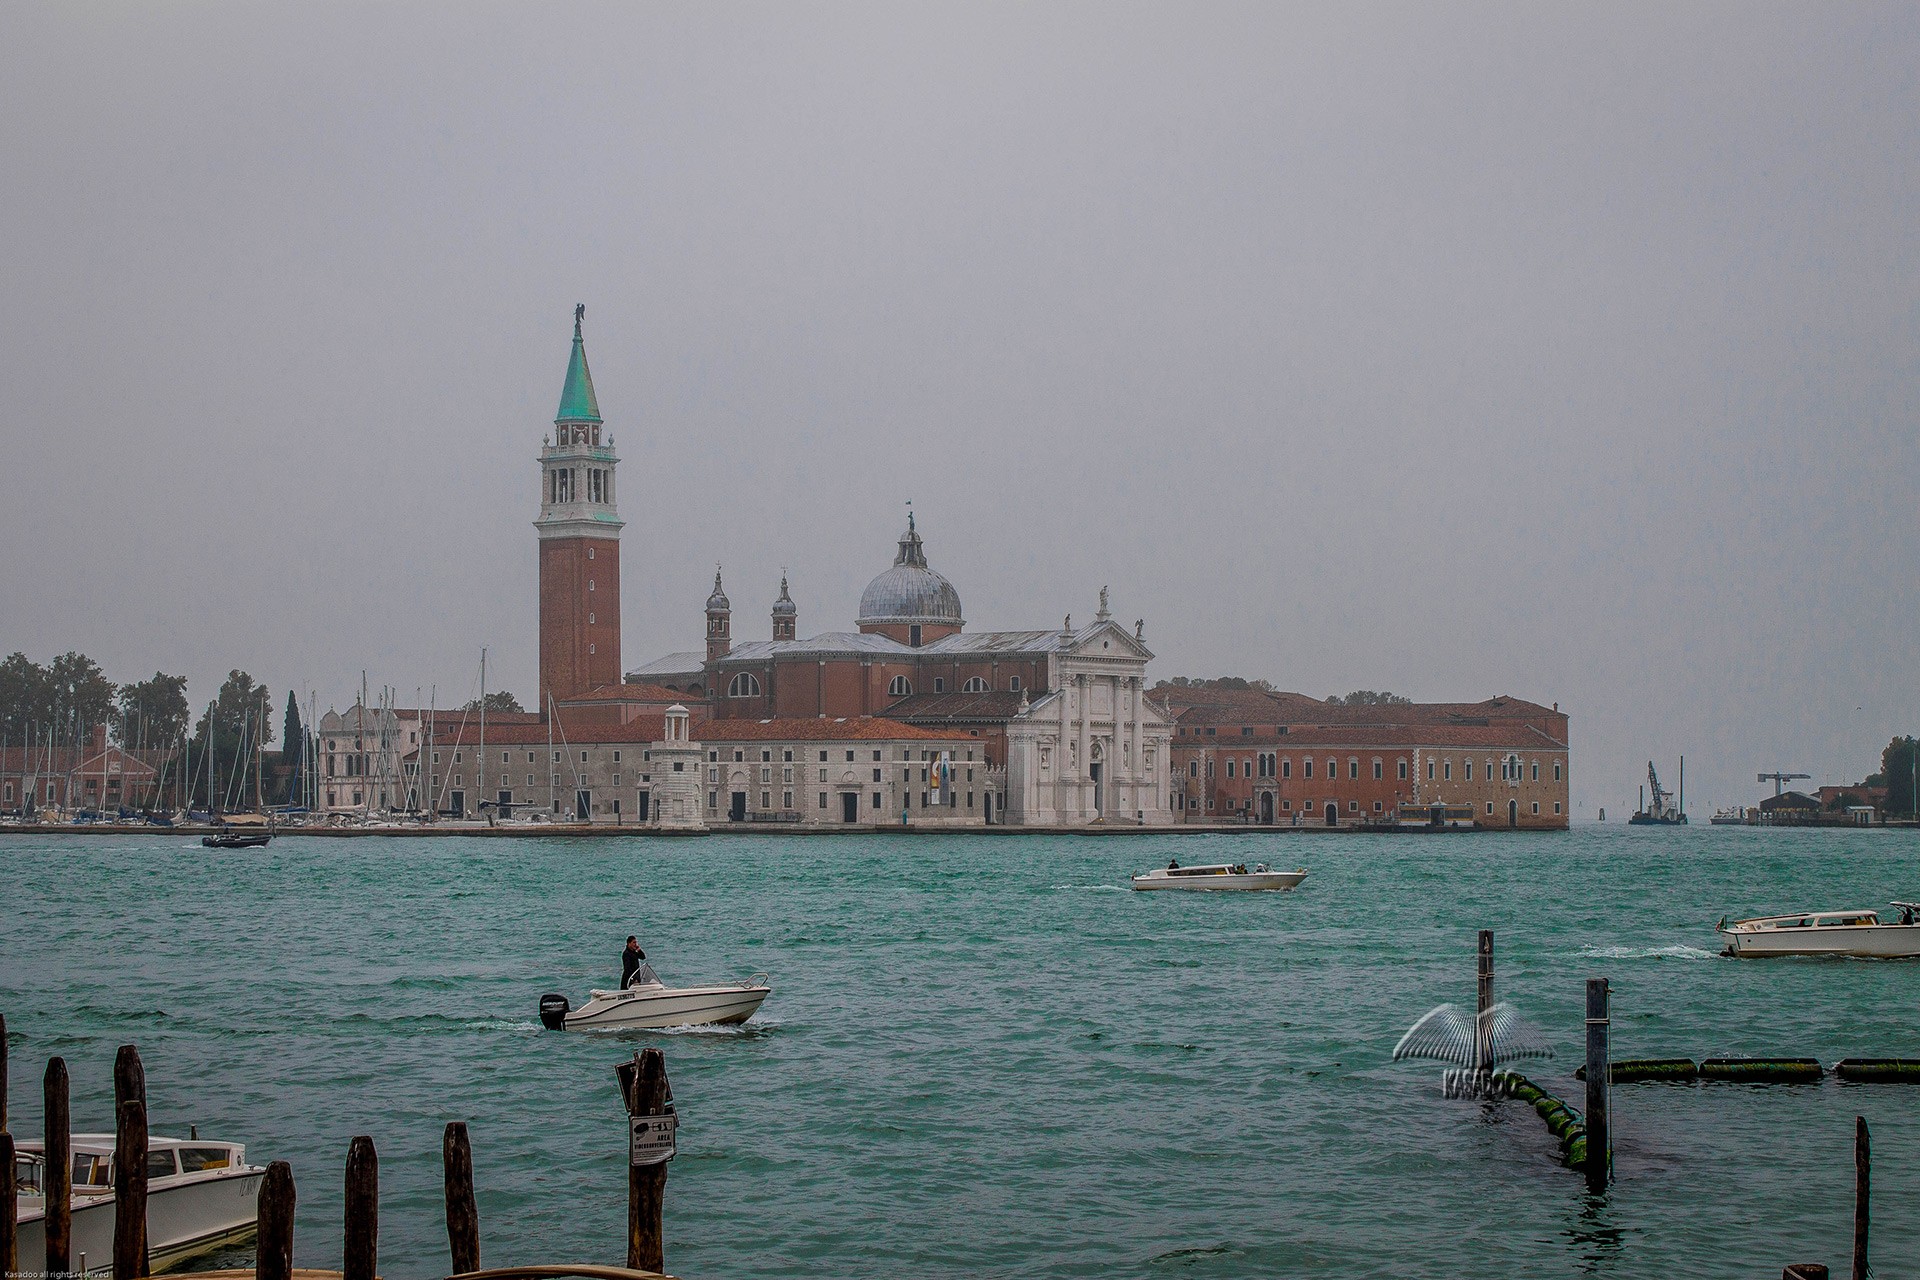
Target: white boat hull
(1882, 941)
(184, 1220)
(643, 1009)
(1280, 881)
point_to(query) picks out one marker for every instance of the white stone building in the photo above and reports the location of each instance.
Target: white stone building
(1093, 748)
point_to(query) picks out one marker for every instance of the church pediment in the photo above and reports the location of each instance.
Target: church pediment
(1108, 641)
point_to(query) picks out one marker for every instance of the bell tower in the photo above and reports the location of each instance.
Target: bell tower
(579, 530)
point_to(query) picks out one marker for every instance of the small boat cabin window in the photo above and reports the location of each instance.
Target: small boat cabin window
(160, 1164)
(92, 1171)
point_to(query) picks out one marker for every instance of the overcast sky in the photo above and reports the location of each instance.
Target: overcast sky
(1561, 351)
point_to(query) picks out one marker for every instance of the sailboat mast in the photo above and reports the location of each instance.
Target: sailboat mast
(481, 759)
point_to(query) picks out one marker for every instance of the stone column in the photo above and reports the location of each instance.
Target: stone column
(1135, 697)
(1083, 691)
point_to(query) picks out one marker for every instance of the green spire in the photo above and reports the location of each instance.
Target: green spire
(577, 402)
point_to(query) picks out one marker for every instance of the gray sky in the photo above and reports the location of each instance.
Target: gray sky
(1564, 351)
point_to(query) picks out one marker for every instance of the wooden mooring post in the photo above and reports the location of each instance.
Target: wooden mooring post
(3, 1073)
(463, 1216)
(643, 1083)
(58, 1173)
(9, 1210)
(1483, 1009)
(129, 1165)
(1599, 1086)
(273, 1252)
(360, 1258)
(1862, 1177)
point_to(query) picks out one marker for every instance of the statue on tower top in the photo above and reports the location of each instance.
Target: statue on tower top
(579, 314)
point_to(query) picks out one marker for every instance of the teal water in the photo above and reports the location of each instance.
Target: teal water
(983, 1056)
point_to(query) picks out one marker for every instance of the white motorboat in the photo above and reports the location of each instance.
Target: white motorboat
(201, 1196)
(646, 1003)
(1219, 875)
(1825, 933)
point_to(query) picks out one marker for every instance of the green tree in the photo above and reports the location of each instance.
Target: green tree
(153, 713)
(293, 748)
(1896, 768)
(498, 700)
(235, 725)
(1369, 698)
(82, 695)
(26, 699)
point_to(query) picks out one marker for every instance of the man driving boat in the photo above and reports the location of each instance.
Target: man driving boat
(630, 961)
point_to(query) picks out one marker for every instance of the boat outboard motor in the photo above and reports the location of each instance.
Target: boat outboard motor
(553, 1011)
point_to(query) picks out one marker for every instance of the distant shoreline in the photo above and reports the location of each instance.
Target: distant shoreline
(583, 830)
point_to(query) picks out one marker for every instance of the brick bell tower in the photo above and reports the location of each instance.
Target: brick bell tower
(579, 543)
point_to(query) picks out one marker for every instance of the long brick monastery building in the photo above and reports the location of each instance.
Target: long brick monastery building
(909, 716)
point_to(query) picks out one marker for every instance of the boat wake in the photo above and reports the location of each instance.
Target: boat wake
(725, 1031)
(1675, 952)
(501, 1024)
(1093, 888)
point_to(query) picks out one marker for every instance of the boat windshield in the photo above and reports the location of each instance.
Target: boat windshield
(26, 1174)
(644, 976)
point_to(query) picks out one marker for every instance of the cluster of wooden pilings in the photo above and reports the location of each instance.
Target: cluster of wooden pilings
(644, 1088)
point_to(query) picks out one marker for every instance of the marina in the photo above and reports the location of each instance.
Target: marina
(932, 1054)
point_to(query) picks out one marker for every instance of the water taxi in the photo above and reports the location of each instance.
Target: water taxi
(1825, 933)
(647, 1003)
(1219, 875)
(201, 1196)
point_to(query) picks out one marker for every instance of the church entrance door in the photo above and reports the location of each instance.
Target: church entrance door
(849, 806)
(1266, 807)
(1094, 771)
(646, 804)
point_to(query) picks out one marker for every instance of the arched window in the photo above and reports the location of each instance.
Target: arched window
(899, 687)
(744, 685)
(974, 684)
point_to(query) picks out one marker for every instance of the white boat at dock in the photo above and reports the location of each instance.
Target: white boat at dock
(1825, 933)
(1219, 875)
(647, 1003)
(201, 1196)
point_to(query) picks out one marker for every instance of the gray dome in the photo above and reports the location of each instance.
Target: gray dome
(717, 602)
(910, 591)
(784, 607)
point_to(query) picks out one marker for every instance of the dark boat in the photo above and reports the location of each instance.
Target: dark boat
(237, 840)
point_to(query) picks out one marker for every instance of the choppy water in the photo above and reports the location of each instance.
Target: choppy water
(983, 1057)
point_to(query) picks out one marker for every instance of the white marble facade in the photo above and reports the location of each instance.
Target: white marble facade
(1092, 749)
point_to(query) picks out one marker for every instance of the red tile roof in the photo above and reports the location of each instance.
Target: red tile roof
(1497, 737)
(821, 729)
(626, 693)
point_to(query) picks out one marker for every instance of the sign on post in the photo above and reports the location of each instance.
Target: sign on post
(651, 1139)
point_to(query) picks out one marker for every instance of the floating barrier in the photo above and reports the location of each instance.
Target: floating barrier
(1879, 1070)
(1562, 1121)
(1630, 1070)
(1762, 1070)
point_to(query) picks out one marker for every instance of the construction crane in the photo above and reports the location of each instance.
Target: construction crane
(1664, 812)
(1780, 780)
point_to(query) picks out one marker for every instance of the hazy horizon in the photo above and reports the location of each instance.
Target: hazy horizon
(1453, 350)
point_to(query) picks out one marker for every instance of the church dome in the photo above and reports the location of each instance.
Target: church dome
(717, 602)
(910, 592)
(784, 607)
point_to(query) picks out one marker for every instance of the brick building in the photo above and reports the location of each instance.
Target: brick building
(1061, 713)
(1283, 758)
